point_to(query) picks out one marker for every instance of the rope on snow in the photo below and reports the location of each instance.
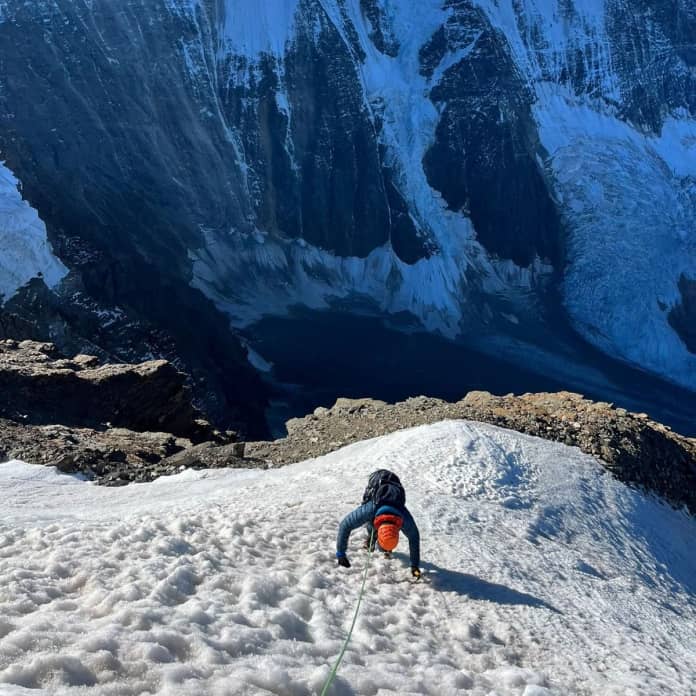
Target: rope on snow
(334, 670)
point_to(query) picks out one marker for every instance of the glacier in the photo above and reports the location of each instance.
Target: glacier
(26, 252)
(631, 213)
(626, 195)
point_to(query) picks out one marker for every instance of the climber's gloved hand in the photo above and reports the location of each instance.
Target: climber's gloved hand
(342, 560)
(416, 573)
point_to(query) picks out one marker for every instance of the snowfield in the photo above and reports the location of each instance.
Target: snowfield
(546, 576)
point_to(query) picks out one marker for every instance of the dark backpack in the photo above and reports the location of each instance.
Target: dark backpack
(384, 488)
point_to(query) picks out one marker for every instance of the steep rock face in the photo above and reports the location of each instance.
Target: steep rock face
(433, 157)
(123, 137)
(655, 42)
(39, 386)
(484, 156)
(316, 168)
(124, 158)
(316, 171)
(380, 32)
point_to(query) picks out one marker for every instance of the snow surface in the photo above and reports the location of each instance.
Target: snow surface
(253, 27)
(287, 273)
(24, 248)
(547, 576)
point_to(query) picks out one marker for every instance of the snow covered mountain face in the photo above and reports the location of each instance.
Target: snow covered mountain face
(466, 161)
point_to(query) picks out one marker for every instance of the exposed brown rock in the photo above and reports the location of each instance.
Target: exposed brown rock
(114, 424)
(40, 387)
(114, 455)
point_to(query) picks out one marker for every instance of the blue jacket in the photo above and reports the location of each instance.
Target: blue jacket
(365, 514)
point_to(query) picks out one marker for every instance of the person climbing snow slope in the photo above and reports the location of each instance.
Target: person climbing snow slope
(384, 513)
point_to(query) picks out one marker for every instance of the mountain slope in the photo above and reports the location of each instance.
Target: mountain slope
(505, 172)
(546, 577)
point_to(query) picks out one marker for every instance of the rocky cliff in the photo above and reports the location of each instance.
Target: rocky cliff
(40, 387)
(118, 424)
(114, 423)
(483, 166)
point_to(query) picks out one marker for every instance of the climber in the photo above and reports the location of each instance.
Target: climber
(384, 513)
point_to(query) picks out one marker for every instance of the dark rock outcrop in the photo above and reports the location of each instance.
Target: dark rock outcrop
(112, 423)
(110, 455)
(484, 159)
(14, 326)
(380, 32)
(114, 456)
(41, 387)
(682, 317)
(639, 30)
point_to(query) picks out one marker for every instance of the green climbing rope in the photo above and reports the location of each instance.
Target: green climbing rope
(334, 670)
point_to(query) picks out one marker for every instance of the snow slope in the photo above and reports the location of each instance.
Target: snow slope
(546, 577)
(25, 250)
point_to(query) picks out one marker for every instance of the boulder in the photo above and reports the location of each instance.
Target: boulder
(40, 387)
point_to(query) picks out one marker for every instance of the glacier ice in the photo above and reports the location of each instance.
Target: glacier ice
(26, 251)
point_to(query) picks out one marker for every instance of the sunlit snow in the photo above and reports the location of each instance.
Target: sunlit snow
(546, 576)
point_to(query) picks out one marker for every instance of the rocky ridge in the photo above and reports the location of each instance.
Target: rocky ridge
(121, 423)
(42, 387)
(634, 448)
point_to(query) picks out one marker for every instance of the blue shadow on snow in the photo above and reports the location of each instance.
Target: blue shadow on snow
(476, 588)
